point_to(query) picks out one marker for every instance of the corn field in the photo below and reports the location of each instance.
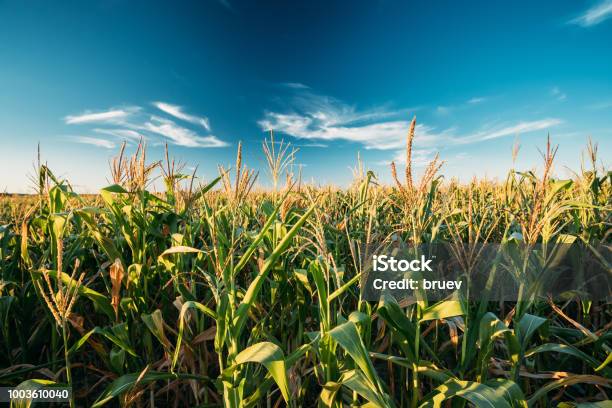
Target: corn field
(220, 293)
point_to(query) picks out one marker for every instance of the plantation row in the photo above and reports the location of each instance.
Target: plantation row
(216, 294)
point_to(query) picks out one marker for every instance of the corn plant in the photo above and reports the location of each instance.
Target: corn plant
(222, 293)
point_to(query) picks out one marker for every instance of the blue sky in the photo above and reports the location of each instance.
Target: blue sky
(334, 78)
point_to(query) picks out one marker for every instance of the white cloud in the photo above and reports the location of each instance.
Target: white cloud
(321, 118)
(179, 135)
(135, 123)
(476, 100)
(319, 126)
(520, 128)
(112, 116)
(107, 144)
(422, 156)
(595, 15)
(324, 118)
(558, 94)
(121, 133)
(177, 112)
(295, 85)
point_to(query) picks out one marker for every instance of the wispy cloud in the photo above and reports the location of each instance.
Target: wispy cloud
(135, 123)
(177, 112)
(121, 133)
(107, 144)
(294, 85)
(558, 94)
(594, 15)
(322, 118)
(179, 135)
(476, 100)
(384, 135)
(444, 110)
(112, 116)
(423, 155)
(520, 128)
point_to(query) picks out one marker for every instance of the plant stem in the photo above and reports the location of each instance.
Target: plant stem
(415, 365)
(67, 359)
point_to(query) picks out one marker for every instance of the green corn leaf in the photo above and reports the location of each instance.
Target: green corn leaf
(118, 341)
(255, 286)
(605, 363)
(302, 277)
(344, 287)
(155, 323)
(233, 394)
(356, 381)
(443, 309)
(57, 198)
(359, 318)
(511, 391)
(329, 393)
(392, 314)
(106, 243)
(205, 189)
(490, 328)
(564, 349)
(264, 230)
(565, 382)
(555, 188)
(129, 381)
(270, 356)
(425, 368)
(58, 222)
(347, 336)
(528, 326)
(107, 193)
(315, 269)
(480, 395)
(117, 359)
(264, 386)
(186, 306)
